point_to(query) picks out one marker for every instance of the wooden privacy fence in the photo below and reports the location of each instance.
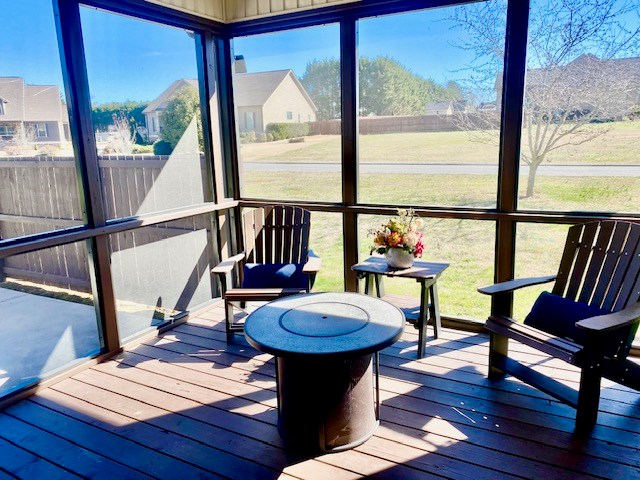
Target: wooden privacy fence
(40, 194)
(422, 123)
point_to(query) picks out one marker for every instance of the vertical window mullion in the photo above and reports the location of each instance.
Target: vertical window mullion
(510, 133)
(74, 70)
(349, 114)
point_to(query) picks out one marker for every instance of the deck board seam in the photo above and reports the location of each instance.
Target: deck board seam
(271, 389)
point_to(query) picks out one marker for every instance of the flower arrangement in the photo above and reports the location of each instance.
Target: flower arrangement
(401, 232)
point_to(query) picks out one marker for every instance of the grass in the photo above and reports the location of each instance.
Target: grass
(616, 144)
(466, 244)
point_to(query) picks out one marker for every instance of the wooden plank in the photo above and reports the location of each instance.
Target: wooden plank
(61, 452)
(625, 279)
(287, 234)
(440, 416)
(568, 256)
(25, 464)
(612, 264)
(108, 444)
(306, 230)
(157, 427)
(296, 236)
(278, 235)
(592, 275)
(585, 249)
(277, 6)
(264, 7)
(269, 230)
(259, 215)
(436, 369)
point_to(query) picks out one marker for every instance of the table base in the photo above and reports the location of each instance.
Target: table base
(326, 404)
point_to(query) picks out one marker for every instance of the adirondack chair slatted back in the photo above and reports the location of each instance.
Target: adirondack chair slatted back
(276, 234)
(600, 265)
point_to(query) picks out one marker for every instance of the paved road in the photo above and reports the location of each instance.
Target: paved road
(454, 169)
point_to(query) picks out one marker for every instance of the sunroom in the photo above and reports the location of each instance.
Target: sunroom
(135, 134)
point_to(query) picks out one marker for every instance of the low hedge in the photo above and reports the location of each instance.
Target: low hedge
(282, 131)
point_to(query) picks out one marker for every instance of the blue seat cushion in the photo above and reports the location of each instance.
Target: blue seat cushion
(558, 316)
(274, 275)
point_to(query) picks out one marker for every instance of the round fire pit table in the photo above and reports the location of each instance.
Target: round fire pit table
(323, 344)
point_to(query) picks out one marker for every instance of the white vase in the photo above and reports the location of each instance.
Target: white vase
(399, 258)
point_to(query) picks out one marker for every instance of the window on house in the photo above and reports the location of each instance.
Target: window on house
(154, 127)
(42, 130)
(249, 121)
(6, 131)
(1, 107)
(289, 115)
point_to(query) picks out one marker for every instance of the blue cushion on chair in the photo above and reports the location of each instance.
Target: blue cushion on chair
(274, 275)
(558, 316)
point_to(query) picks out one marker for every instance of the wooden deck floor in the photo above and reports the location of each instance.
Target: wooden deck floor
(187, 406)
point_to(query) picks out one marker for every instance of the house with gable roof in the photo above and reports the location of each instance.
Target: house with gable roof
(271, 97)
(260, 98)
(31, 113)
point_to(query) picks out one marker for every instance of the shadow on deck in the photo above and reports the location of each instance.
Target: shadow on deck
(186, 405)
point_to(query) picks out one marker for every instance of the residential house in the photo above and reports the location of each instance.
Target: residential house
(602, 89)
(260, 98)
(31, 113)
(271, 97)
(153, 112)
(448, 107)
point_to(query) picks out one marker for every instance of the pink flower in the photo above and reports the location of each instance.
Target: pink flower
(419, 248)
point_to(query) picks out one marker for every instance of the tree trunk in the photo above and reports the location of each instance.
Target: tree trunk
(531, 181)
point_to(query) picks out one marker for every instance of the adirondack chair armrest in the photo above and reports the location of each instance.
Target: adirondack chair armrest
(612, 321)
(227, 265)
(512, 285)
(313, 264)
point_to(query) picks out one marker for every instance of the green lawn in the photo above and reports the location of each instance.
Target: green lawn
(617, 144)
(466, 244)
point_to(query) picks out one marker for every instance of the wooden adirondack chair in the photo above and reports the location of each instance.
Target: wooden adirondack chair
(276, 260)
(589, 319)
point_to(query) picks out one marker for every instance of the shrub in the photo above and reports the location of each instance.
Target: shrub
(282, 131)
(48, 150)
(248, 137)
(261, 137)
(143, 149)
(161, 147)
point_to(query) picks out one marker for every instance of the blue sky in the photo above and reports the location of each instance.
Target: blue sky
(129, 59)
(421, 41)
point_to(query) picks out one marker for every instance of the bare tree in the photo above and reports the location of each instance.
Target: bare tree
(124, 137)
(582, 67)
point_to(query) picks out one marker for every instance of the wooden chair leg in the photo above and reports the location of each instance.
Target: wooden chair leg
(498, 346)
(588, 398)
(228, 315)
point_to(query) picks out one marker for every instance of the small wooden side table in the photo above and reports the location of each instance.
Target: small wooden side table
(374, 269)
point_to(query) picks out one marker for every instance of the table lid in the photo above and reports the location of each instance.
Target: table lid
(324, 324)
